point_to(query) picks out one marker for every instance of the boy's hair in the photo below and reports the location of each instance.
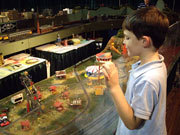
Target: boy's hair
(150, 22)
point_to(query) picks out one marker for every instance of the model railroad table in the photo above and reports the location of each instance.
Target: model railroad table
(61, 57)
(12, 69)
(68, 106)
(61, 112)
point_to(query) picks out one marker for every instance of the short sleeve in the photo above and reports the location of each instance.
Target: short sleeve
(144, 100)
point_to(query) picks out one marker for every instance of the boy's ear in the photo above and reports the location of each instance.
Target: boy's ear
(146, 41)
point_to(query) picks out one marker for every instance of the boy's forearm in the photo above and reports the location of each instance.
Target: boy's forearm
(124, 109)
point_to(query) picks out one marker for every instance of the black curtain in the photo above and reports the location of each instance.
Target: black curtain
(57, 5)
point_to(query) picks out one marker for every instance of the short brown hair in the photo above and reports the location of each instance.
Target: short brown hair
(150, 22)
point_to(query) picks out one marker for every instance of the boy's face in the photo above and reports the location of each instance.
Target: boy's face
(133, 45)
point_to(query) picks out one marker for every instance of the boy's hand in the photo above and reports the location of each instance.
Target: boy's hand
(111, 74)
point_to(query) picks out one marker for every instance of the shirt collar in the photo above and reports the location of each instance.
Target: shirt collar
(138, 70)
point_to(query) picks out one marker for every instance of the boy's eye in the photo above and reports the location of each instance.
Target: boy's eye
(127, 38)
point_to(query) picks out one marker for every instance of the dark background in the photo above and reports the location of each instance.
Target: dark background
(56, 5)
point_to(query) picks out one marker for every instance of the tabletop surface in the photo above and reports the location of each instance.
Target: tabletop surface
(18, 63)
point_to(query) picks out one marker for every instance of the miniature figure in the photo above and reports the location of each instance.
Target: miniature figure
(58, 41)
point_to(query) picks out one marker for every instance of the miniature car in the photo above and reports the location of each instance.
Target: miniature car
(17, 98)
(4, 123)
(4, 120)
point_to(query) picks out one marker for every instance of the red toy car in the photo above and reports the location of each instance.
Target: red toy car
(3, 120)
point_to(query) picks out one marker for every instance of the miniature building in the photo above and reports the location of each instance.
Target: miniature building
(65, 95)
(61, 74)
(27, 15)
(14, 15)
(104, 57)
(93, 71)
(99, 90)
(59, 106)
(3, 19)
(25, 125)
(52, 89)
(76, 102)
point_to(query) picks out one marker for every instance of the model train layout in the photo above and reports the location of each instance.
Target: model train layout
(74, 101)
(70, 105)
(65, 105)
(19, 28)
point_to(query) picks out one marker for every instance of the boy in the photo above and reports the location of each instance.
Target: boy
(143, 108)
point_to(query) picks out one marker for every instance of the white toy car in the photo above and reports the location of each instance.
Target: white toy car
(17, 98)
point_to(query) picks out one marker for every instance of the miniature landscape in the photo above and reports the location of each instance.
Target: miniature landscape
(66, 106)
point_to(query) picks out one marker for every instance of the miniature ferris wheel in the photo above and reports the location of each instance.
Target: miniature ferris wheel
(33, 95)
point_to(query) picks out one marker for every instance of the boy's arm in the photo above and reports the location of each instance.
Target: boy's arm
(125, 111)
